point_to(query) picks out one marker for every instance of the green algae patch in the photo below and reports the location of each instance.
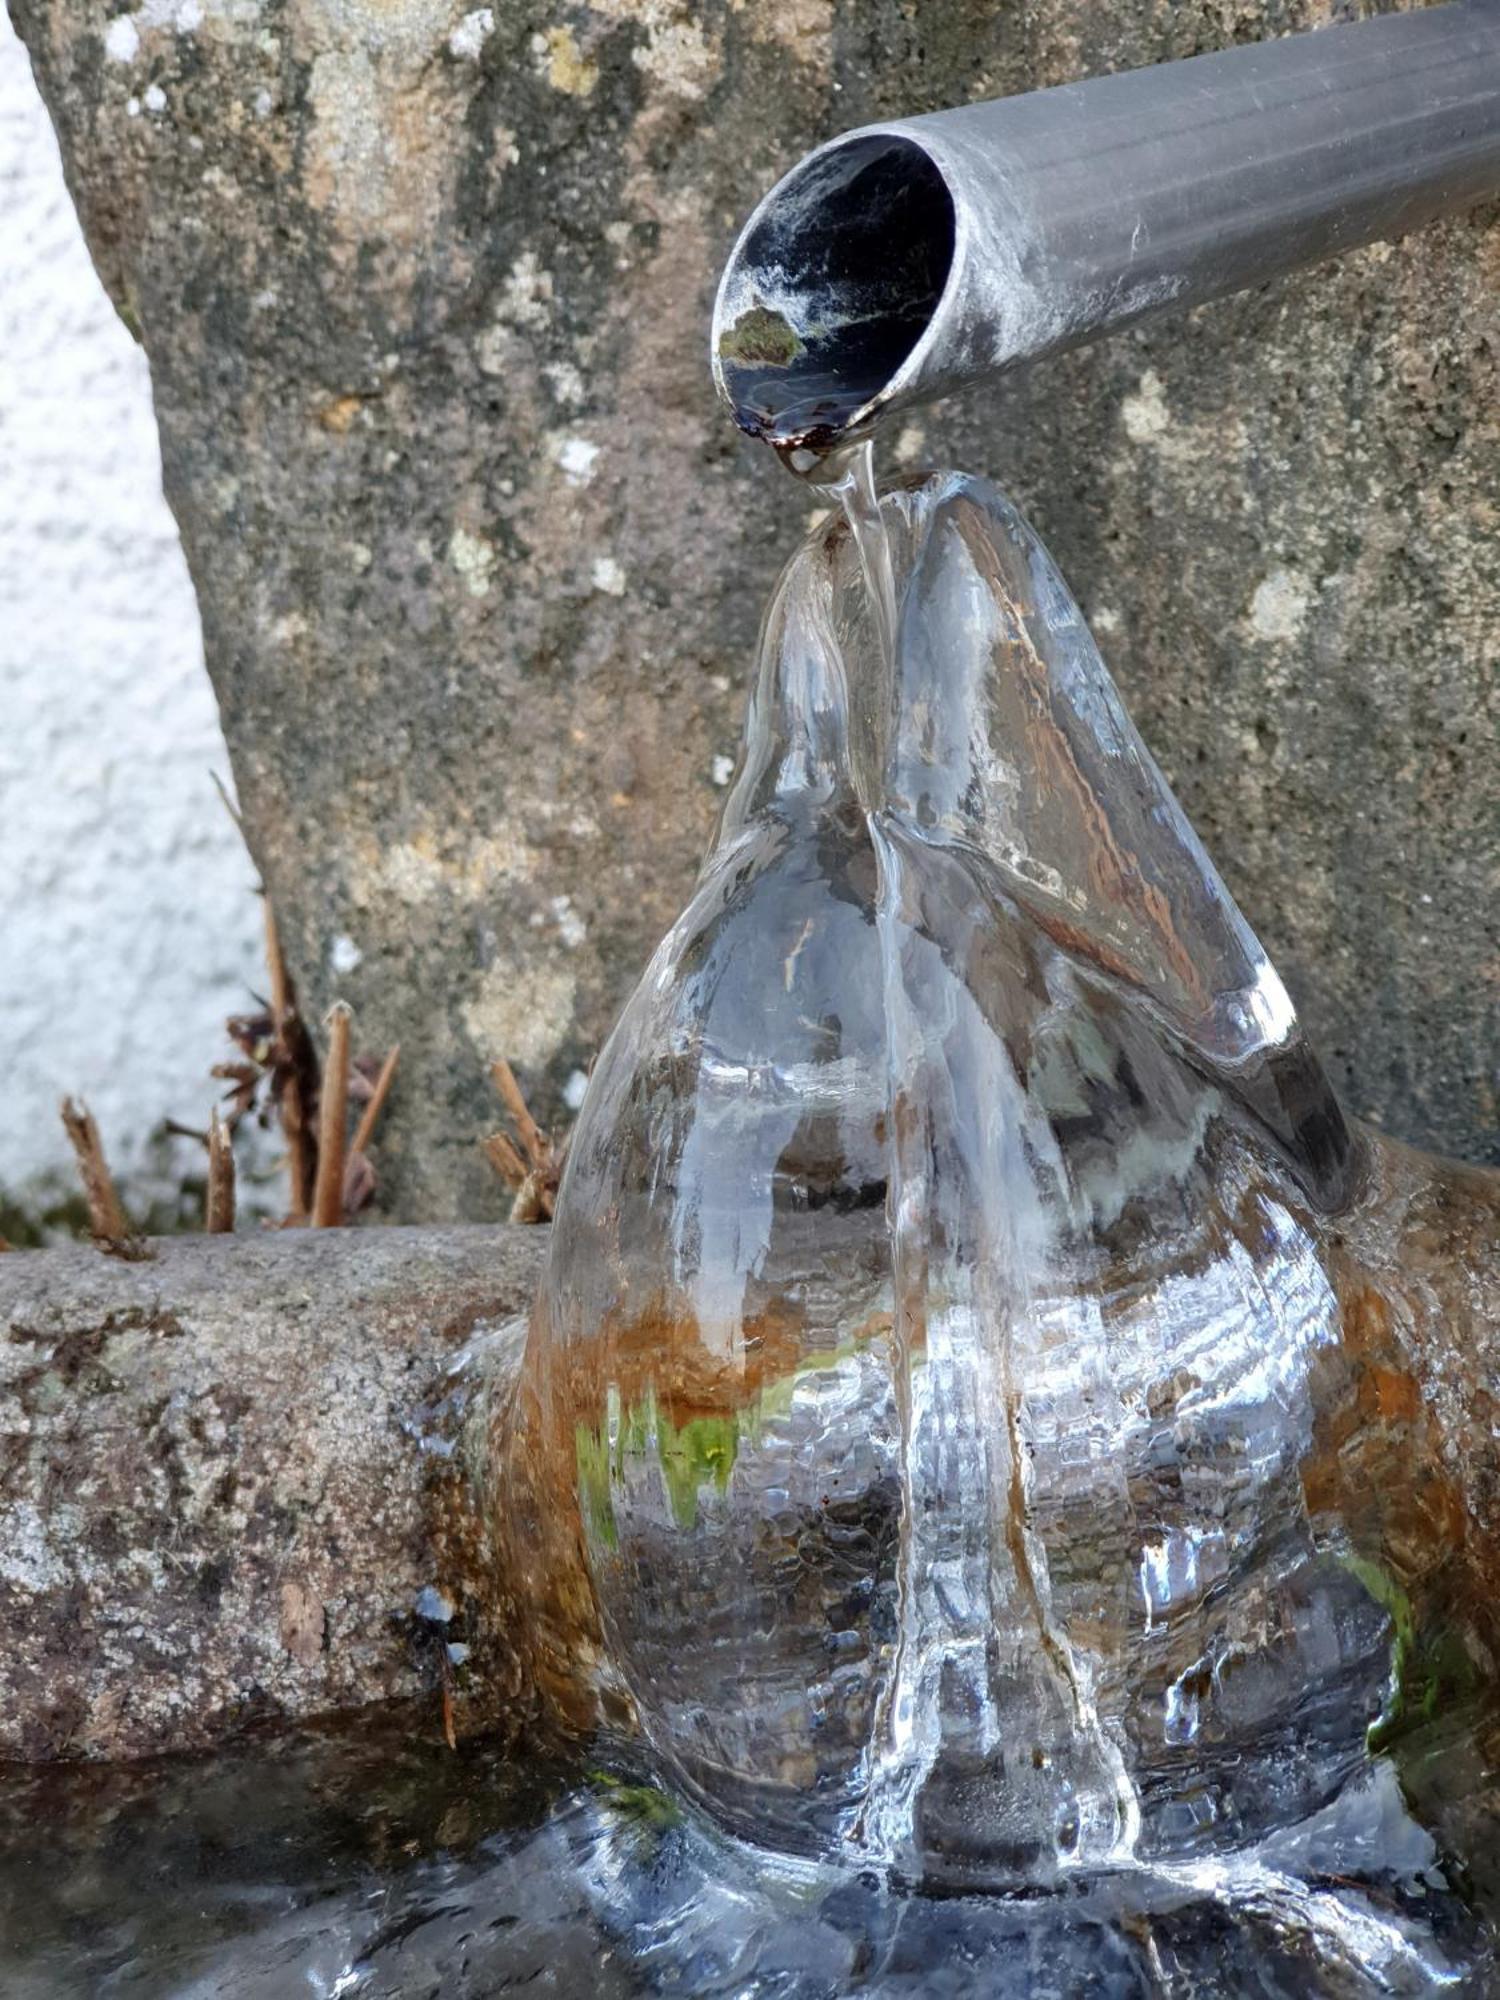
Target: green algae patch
(1429, 1669)
(761, 338)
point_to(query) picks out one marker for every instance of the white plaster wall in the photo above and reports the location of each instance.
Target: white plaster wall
(128, 923)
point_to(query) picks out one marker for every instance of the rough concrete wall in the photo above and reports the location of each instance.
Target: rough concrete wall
(127, 924)
(426, 293)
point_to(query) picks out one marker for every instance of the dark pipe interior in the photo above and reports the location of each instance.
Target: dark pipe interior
(846, 267)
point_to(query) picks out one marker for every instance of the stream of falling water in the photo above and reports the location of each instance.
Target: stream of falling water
(969, 1566)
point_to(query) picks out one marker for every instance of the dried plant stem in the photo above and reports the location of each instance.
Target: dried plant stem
(533, 1141)
(219, 1206)
(276, 966)
(450, 1734)
(107, 1217)
(179, 1131)
(333, 1113)
(294, 1126)
(504, 1158)
(228, 804)
(296, 1106)
(364, 1132)
(532, 1168)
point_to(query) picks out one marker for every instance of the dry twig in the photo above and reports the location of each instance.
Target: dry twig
(333, 1114)
(107, 1219)
(295, 1079)
(380, 1090)
(359, 1173)
(218, 1217)
(533, 1168)
(450, 1734)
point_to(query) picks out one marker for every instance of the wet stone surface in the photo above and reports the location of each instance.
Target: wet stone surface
(370, 1864)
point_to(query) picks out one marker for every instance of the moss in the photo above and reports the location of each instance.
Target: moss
(642, 1803)
(761, 338)
(1430, 1668)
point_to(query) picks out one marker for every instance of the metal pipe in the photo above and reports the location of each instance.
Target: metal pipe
(903, 261)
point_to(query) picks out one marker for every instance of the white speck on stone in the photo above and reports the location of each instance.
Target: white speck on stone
(467, 41)
(910, 444)
(525, 300)
(360, 557)
(27, 1558)
(1145, 414)
(432, 1605)
(722, 770)
(570, 926)
(526, 297)
(344, 955)
(1278, 610)
(132, 107)
(1106, 619)
(576, 458)
(575, 1088)
(474, 558)
(122, 39)
(566, 383)
(720, 683)
(679, 57)
(608, 576)
(264, 104)
(155, 99)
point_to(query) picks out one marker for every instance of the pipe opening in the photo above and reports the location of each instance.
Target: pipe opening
(835, 282)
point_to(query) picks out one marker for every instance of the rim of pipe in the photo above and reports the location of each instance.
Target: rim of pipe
(833, 293)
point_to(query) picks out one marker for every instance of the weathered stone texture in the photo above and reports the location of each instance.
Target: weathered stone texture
(229, 1474)
(425, 294)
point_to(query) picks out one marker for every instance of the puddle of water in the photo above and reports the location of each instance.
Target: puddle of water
(366, 1863)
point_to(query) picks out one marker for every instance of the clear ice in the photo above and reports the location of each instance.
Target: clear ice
(988, 1426)
(920, 1407)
